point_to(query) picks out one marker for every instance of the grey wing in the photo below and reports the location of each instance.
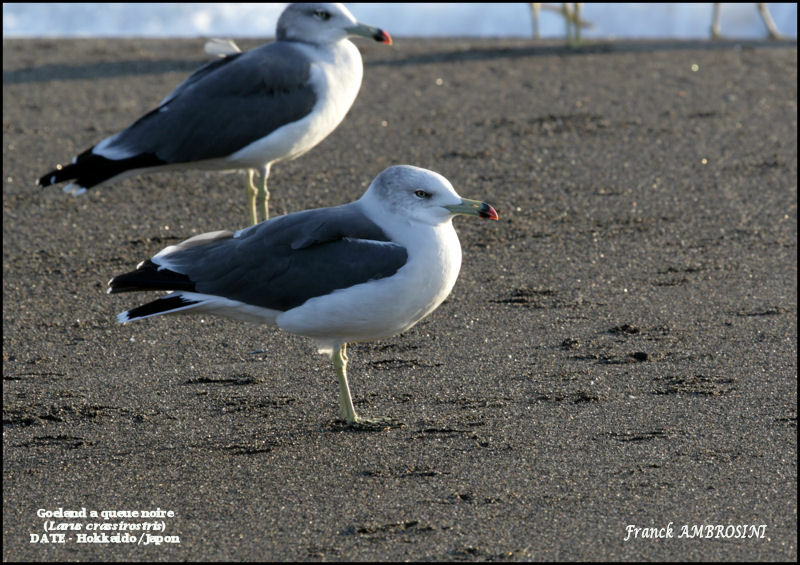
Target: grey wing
(262, 265)
(299, 275)
(198, 75)
(224, 106)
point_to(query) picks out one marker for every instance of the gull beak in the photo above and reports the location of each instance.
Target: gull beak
(370, 32)
(474, 208)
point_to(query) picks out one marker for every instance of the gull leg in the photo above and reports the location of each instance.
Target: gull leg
(715, 32)
(264, 191)
(567, 13)
(252, 193)
(769, 22)
(572, 17)
(535, 9)
(346, 409)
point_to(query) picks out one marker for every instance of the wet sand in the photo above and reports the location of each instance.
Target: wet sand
(620, 348)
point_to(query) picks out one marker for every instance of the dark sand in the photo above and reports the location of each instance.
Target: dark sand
(620, 347)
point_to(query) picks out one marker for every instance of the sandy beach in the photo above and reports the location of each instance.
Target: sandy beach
(619, 351)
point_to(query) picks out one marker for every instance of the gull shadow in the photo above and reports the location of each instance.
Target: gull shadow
(589, 48)
(132, 67)
(87, 71)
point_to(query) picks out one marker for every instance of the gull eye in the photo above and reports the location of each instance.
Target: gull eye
(322, 15)
(422, 194)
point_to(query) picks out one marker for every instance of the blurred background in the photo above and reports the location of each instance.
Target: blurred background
(608, 21)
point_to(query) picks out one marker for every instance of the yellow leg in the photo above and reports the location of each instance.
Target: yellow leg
(264, 191)
(346, 409)
(252, 195)
(535, 8)
(769, 22)
(254, 192)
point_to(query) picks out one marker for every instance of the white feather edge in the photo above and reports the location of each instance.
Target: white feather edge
(221, 47)
(213, 305)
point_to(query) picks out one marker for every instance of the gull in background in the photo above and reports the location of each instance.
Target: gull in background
(247, 110)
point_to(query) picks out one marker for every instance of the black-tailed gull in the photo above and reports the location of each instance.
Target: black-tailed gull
(245, 111)
(366, 270)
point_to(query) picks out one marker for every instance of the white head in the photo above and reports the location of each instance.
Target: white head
(323, 23)
(412, 194)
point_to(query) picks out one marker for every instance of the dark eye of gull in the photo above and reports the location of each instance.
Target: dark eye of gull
(422, 194)
(323, 15)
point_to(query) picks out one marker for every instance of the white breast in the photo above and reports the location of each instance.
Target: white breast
(385, 307)
(336, 78)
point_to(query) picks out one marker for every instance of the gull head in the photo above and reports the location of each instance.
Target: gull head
(323, 23)
(413, 194)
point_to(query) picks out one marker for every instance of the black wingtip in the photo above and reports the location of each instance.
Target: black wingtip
(149, 276)
(57, 175)
(163, 305)
(90, 169)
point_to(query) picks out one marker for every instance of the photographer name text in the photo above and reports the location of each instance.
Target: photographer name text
(702, 531)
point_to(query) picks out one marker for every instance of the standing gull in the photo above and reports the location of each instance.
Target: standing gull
(245, 111)
(366, 270)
